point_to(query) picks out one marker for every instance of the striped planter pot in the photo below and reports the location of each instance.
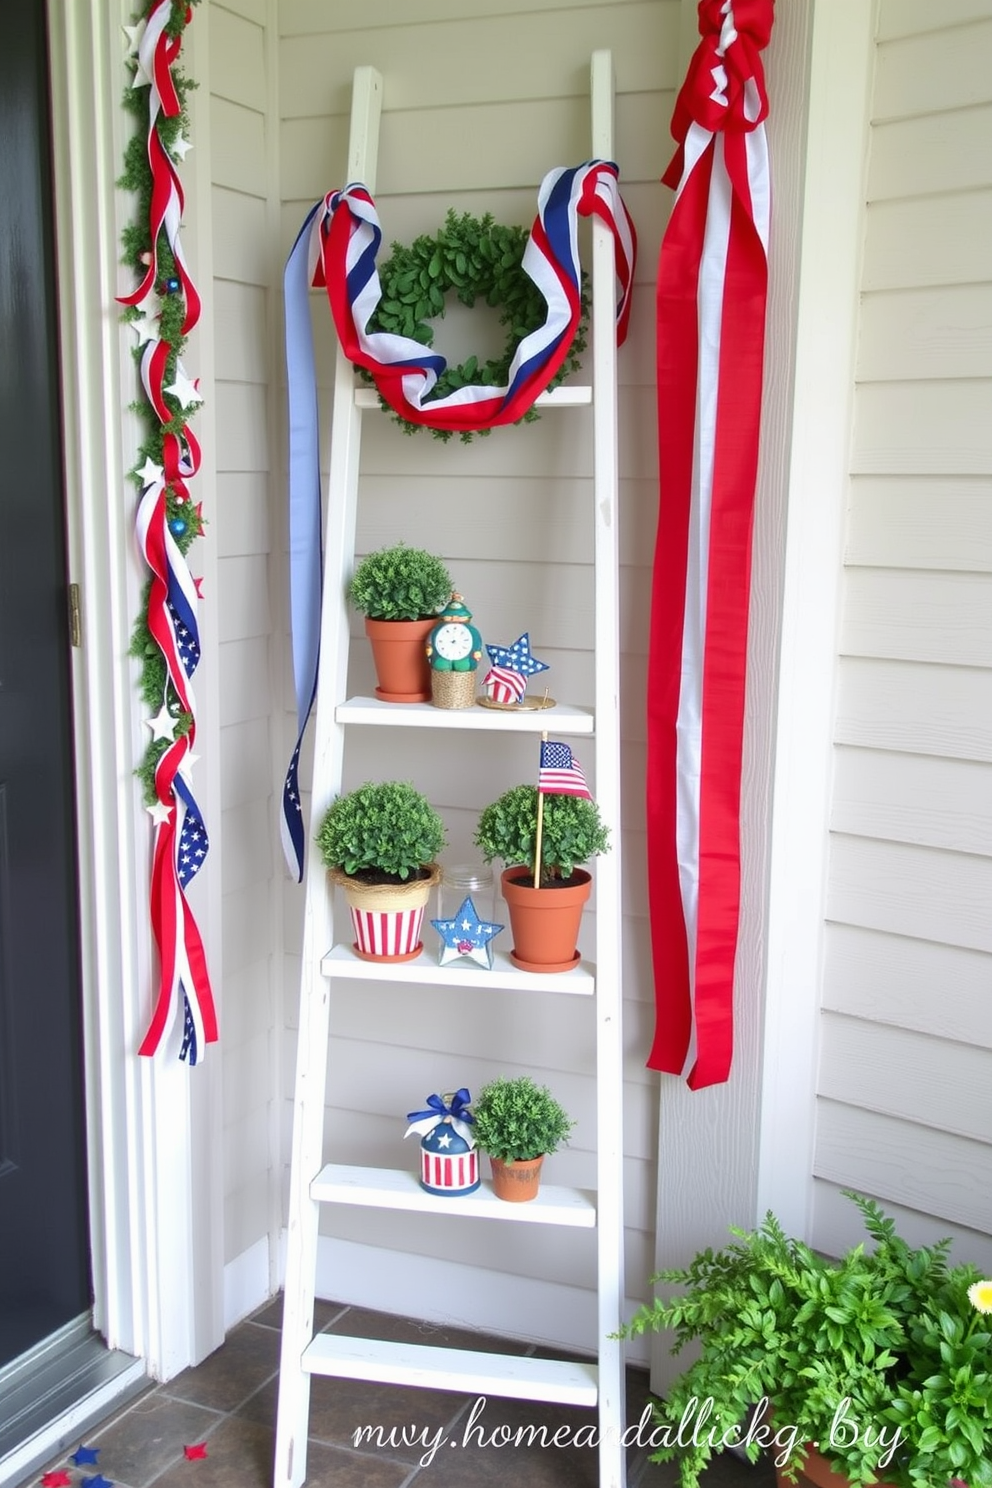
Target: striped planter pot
(386, 919)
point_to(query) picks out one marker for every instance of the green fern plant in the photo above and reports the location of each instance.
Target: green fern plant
(881, 1357)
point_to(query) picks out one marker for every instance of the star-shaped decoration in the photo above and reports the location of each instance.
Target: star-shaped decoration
(159, 812)
(150, 473)
(134, 35)
(163, 725)
(197, 583)
(466, 937)
(58, 1479)
(146, 328)
(444, 1140)
(184, 390)
(181, 147)
(199, 1449)
(141, 78)
(517, 658)
(84, 1454)
(97, 1481)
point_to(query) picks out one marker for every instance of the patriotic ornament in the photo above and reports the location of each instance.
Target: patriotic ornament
(506, 680)
(163, 309)
(466, 937)
(449, 1163)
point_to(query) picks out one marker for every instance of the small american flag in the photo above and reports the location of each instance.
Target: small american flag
(561, 774)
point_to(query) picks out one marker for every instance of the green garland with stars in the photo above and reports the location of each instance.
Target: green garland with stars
(480, 259)
(136, 243)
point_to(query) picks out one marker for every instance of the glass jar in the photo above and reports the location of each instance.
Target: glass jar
(461, 881)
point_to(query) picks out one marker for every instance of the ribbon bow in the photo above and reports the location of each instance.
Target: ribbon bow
(457, 1114)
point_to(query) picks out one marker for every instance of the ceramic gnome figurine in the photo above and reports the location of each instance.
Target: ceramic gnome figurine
(449, 1163)
(454, 649)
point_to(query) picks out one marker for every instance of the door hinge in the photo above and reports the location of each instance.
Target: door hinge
(75, 617)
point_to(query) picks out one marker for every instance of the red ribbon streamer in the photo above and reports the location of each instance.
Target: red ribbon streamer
(709, 364)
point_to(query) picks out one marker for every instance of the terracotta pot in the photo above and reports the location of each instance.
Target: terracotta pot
(387, 918)
(817, 1473)
(516, 1181)
(399, 650)
(545, 922)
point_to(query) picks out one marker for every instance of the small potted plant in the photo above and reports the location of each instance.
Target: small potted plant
(875, 1368)
(380, 844)
(518, 1123)
(544, 917)
(400, 591)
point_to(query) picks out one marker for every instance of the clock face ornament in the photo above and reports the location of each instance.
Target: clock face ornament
(453, 642)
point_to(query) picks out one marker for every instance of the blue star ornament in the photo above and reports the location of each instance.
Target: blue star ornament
(466, 937)
(84, 1455)
(517, 658)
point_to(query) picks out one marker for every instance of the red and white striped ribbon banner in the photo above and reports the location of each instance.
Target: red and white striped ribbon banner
(712, 287)
(180, 842)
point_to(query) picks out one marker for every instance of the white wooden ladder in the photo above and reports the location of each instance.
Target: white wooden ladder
(598, 1383)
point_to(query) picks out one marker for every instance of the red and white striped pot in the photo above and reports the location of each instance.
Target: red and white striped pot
(387, 919)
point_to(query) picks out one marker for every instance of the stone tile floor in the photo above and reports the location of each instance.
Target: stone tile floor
(229, 1401)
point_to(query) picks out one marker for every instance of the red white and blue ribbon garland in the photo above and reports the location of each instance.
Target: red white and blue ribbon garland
(712, 290)
(180, 841)
(337, 247)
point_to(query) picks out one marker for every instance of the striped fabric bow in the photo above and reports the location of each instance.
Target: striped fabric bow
(336, 248)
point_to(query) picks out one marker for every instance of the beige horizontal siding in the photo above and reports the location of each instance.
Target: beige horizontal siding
(938, 239)
(911, 890)
(925, 334)
(920, 1079)
(929, 155)
(945, 69)
(938, 522)
(906, 615)
(910, 983)
(941, 710)
(898, 18)
(923, 428)
(932, 1171)
(913, 798)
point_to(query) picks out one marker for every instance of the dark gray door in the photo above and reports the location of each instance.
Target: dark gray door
(44, 1251)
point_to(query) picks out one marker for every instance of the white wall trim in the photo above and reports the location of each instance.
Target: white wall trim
(246, 1282)
(832, 232)
(142, 1208)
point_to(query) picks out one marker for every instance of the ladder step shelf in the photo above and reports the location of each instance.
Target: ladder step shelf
(424, 971)
(563, 718)
(469, 1372)
(397, 1188)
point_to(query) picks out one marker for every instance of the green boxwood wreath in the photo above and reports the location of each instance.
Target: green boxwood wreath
(478, 258)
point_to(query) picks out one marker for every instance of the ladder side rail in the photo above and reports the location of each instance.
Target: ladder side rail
(293, 1410)
(609, 980)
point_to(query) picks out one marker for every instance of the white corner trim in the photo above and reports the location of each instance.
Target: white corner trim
(246, 1283)
(831, 246)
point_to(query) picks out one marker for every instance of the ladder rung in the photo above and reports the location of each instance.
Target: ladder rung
(397, 1188)
(465, 1370)
(341, 961)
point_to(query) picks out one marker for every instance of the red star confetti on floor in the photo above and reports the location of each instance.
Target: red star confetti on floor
(58, 1479)
(199, 1450)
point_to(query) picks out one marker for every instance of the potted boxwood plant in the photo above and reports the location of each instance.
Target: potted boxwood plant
(380, 844)
(518, 1123)
(544, 918)
(400, 591)
(872, 1368)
